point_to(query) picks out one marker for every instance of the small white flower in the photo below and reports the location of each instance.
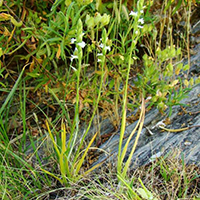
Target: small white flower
(135, 57)
(136, 32)
(133, 13)
(81, 44)
(73, 40)
(141, 11)
(101, 39)
(99, 60)
(108, 48)
(140, 26)
(73, 57)
(101, 45)
(141, 21)
(99, 54)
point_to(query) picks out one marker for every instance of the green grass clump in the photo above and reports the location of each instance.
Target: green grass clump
(65, 62)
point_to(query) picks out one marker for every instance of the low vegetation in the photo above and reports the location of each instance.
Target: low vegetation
(65, 63)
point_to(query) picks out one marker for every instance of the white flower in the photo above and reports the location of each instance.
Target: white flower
(99, 54)
(81, 44)
(133, 13)
(101, 45)
(73, 40)
(141, 11)
(106, 47)
(136, 32)
(99, 60)
(141, 21)
(140, 26)
(73, 57)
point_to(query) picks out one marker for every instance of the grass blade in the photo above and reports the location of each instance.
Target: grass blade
(13, 90)
(136, 139)
(85, 153)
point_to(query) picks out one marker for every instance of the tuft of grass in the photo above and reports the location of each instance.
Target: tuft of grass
(65, 62)
(165, 178)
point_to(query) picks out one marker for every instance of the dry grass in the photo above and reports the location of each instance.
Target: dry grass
(166, 178)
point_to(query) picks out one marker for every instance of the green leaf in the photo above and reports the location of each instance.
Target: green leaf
(14, 22)
(145, 195)
(67, 2)
(177, 7)
(1, 52)
(197, 81)
(168, 5)
(33, 75)
(4, 17)
(55, 5)
(111, 84)
(89, 21)
(186, 67)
